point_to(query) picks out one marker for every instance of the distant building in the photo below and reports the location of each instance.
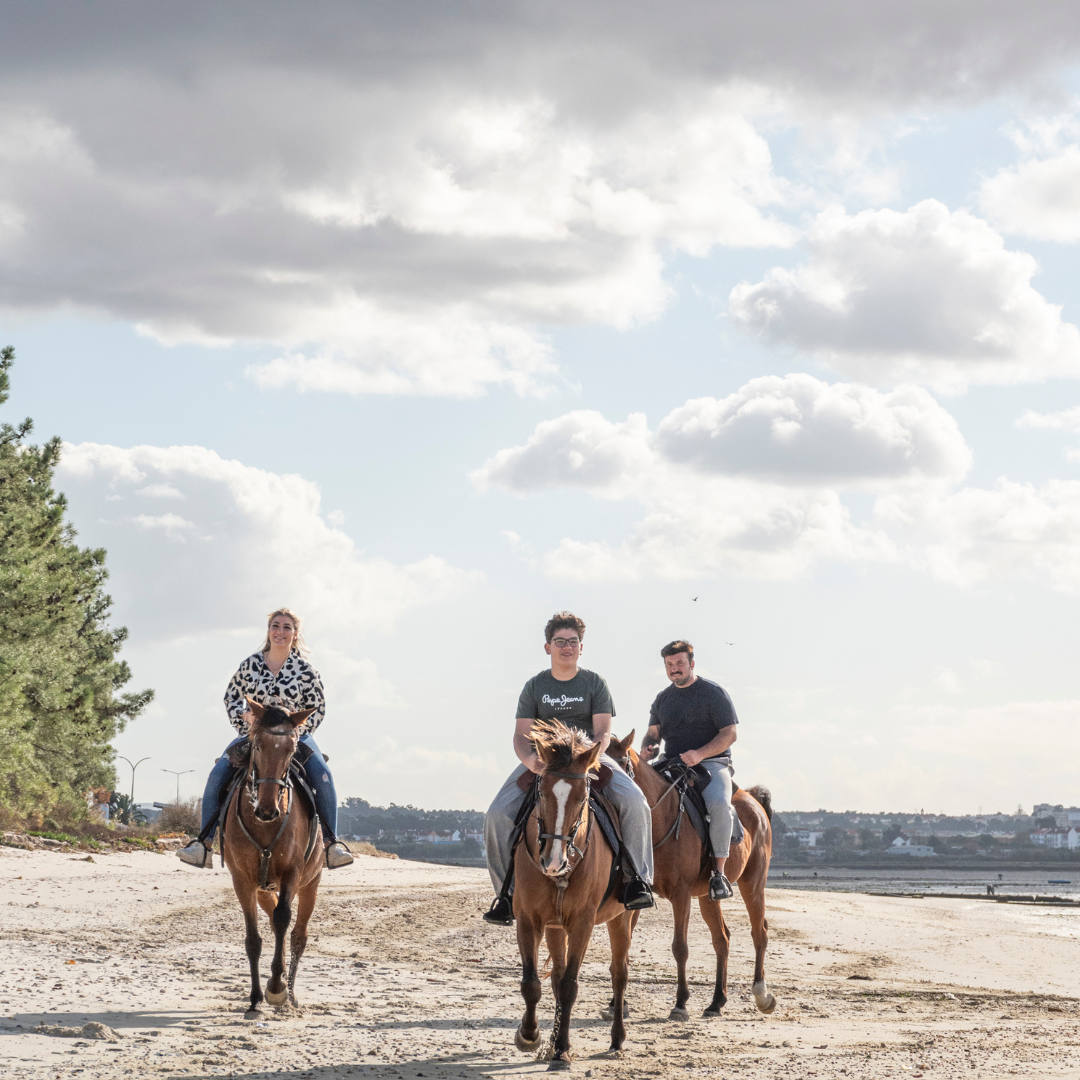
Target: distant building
(808, 837)
(902, 846)
(1056, 838)
(439, 836)
(1064, 817)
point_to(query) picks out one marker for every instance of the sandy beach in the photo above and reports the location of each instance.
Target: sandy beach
(403, 979)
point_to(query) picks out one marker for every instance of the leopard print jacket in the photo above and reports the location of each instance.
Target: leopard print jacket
(296, 686)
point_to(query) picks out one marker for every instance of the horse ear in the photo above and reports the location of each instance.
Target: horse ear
(625, 744)
(256, 708)
(543, 751)
(589, 759)
(297, 718)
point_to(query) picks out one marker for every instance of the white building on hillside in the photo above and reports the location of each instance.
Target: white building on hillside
(1056, 838)
(900, 846)
(1064, 817)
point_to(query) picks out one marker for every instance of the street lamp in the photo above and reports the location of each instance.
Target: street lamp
(177, 775)
(133, 768)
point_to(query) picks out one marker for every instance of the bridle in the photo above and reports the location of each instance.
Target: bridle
(678, 784)
(570, 848)
(251, 786)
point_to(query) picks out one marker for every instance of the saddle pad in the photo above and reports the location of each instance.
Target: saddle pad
(608, 821)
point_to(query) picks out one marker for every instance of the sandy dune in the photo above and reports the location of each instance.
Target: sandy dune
(403, 979)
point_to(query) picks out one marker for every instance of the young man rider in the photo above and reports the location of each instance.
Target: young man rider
(580, 699)
(696, 719)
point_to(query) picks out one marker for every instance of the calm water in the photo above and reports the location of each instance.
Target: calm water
(926, 879)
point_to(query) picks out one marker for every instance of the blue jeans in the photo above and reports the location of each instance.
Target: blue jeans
(318, 776)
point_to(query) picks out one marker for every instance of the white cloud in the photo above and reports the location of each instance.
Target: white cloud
(749, 484)
(579, 449)
(388, 238)
(399, 204)
(797, 429)
(250, 540)
(1066, 420)
(1039, 198)
(925, 295)
(756, 484)
(978, 534)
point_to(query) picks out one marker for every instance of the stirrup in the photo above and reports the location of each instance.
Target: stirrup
(637, 895)
(338, 855)
(719, 886)
(501, 913)
(202, 857)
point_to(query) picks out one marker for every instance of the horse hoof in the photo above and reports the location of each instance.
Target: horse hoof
(253, 1014)
(679, 1014)
(766, 1006)
(560, 1064)
(608, 1011)
(710, 1014)
(526, 1044)
(277, 999)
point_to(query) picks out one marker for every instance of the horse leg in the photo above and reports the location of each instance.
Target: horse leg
(567, 991)
(276, 990)
(527, 1036)
(721, 941)
(619, 934)
(608, 1011)
(253, 947)
(305, 905)
(753, 894)
(680, 906)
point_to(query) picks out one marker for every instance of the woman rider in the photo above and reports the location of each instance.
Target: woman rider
(276, 675)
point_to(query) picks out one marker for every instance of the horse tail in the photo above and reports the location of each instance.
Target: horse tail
(763, 796)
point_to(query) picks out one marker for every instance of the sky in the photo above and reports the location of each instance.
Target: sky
(750, 324)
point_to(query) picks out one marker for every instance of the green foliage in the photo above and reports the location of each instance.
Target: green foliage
(60, 704)
(125, 811)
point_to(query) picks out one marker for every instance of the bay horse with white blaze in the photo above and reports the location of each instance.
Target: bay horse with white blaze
(563, 878)
(683, 869)
(272, 845)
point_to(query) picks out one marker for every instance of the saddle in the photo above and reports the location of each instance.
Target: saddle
(602, 811)
(690, 781)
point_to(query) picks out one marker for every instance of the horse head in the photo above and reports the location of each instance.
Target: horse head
(563, 797)
(622, 752)
(274, 736)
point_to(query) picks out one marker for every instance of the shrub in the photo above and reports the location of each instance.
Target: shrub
(185, 817)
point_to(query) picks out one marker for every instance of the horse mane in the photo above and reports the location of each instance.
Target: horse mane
(763, 796)
(273, 717)
(561, 742)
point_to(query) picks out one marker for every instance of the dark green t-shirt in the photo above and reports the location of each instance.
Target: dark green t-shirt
(572, 702)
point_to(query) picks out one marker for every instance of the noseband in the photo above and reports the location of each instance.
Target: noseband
(567, 838)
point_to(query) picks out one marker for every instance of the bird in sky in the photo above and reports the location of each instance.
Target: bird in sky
(694, 598)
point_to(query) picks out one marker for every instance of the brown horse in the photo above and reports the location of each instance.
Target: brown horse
(562, 870)
(683, 870)
(272, 844)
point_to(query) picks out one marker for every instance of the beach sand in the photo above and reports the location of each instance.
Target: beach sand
(403, 979)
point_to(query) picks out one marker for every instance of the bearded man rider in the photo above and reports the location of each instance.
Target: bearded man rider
(696, 719)
(580, 699)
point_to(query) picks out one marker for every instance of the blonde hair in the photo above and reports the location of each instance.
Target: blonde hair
(298, 643)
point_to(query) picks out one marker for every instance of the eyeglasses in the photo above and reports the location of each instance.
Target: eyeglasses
(566, 643)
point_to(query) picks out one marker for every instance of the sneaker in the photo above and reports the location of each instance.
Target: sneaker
(337, 855)
(719, 887)
(501, 913)
(197, 854)
(637, 895)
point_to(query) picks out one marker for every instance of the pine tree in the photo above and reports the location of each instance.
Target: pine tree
(60, 679)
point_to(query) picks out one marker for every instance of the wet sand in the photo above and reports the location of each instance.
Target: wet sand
(403, 979)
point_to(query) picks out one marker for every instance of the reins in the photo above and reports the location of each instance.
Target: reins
(265, 853)
(679, 784)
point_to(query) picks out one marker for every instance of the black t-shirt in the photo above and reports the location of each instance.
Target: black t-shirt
(572, 702)
(692, 716)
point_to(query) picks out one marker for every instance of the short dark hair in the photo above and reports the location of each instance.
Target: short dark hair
(673, 648)
(563, 620)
